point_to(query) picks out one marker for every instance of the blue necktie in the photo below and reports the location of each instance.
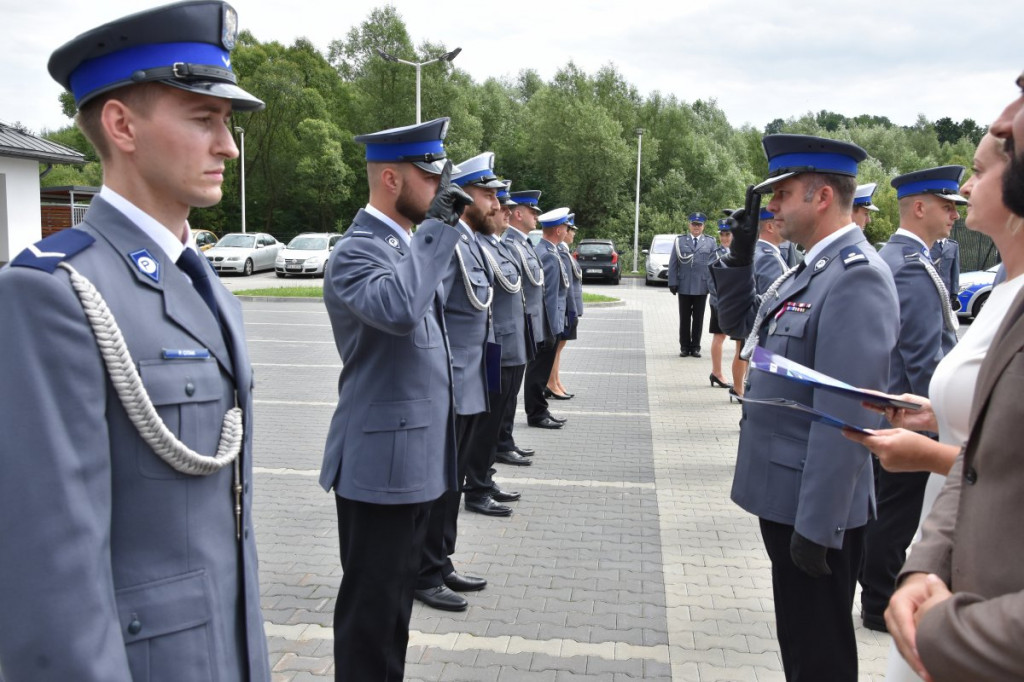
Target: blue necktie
(192, 265)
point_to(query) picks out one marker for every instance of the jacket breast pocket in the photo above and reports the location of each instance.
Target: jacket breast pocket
(167, 629)
(187, 395)
(785, 469)
(786, 333)
(394, 458)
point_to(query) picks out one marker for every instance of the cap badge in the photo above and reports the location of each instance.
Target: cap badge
(230, 28)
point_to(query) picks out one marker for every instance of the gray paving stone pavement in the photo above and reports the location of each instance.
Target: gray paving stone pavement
(624, 560)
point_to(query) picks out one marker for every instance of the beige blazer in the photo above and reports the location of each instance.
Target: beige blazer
(973, 536)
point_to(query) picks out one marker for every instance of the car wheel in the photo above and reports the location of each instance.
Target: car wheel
(979, 304)
(280, 274)
(247, 268)
(617, 280)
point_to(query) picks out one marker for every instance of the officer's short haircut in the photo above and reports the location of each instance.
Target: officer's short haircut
(138, 97)
(844, 187)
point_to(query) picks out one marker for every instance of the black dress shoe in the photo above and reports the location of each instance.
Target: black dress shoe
(513, 458)
(499, 495)
(525, 452)
(464, 583)
(557, 420)
(486, 505)
(694, 353)
(545, 423)
(684, 353)
(441, 597)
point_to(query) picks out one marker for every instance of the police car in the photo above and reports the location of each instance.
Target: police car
(974, 291)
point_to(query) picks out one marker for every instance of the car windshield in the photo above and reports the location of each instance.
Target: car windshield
(664, 246)
(243, 241)
(308, 243)
(595, 249)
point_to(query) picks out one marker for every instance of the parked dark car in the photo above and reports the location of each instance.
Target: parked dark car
(599, 260)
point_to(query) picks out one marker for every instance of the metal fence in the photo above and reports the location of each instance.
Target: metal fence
(977, 251)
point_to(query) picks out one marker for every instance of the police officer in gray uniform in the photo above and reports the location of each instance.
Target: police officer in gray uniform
(522, 219)
(573, 310)
(468, 290)
(769, 264)
(390, 451)
(837, 314)
(126, 542)
(945, 255)
(928, 208)
(556, 288)
(509, 313)
(691, 255)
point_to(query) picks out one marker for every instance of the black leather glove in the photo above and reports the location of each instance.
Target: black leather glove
(744, 231)
(450, 201)
(673, 290)
(808, 556)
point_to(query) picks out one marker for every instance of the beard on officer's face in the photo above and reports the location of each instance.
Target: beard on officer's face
(410, 206)
(1013, 184)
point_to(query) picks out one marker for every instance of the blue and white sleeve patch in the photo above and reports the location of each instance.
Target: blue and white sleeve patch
(46, 254)
(852, 255)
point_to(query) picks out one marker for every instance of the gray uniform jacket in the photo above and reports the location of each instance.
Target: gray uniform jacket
(945, 255)
(574, 295)
(114, 566)
(720, 253)
(556, 287)
(924, 339)
(529, 264)
(469, 329)
(790, 254)
(768, 265)
(391, 440)
(509, 310)
(687, 264)
(789, 470)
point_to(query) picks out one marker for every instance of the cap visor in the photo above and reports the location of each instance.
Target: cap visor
(871, 207)
(488, 183)
(435, 167)
(765, 187)
(240, 99)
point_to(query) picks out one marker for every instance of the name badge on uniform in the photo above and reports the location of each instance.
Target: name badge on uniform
(185, 353)
(146, 264)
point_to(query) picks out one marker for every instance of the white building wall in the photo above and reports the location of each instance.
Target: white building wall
(21, 219)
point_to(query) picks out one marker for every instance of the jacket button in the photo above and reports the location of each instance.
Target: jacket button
(401, 422)
(190, 388)
(134, 627)
(839, 530)
(429, 239)
(971, 476)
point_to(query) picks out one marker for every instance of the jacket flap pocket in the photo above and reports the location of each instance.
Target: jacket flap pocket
(398, 415)
(788, 452)
(163, 606)
(790, 324)
(171, 382)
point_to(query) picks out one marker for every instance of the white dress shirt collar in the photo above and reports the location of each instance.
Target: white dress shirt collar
(149, 225)
(824, 243)
(398, 229)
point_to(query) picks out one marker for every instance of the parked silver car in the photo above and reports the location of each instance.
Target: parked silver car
(306, 254)
(244, 252)
(658, 257)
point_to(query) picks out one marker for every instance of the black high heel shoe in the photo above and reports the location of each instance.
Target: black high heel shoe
(548, 393)
(715, 381)
(733, 395)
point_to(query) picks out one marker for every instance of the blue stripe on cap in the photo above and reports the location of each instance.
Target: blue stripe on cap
(96, 74)
(554, 223)
(527, 200)
(395, 152)
(931, 185)
(821, 162)
(766, 215)
(471, 177)
(862, 201)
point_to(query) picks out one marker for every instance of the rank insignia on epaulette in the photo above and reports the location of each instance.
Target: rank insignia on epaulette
(146, 264)
(47, 253)
(392, 241)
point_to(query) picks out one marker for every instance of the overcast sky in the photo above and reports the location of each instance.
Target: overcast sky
(759, 60)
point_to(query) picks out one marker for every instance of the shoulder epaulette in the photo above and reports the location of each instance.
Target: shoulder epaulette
(852, 255)
(48, 253)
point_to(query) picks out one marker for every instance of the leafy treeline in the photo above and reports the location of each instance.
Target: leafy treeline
(574, 137)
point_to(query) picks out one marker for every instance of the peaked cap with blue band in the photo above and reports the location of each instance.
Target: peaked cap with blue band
(862, 197)
(186, 45)
(766, 215)
(504, 197)
(698, 217)
(943, 182)
(570, 220)
(724, 225)
(478, 171)
(527, 197)
(421, 144)
(554, 218)
(792, 154)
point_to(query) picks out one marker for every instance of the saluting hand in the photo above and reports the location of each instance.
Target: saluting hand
(450, 201)
(745, 225)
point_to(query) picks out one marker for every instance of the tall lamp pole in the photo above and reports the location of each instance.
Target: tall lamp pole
(447, 57)
(636, 221)
(241, 135)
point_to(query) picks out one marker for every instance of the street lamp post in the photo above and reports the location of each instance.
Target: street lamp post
(636, 220)
(241, 135)
(447, 57)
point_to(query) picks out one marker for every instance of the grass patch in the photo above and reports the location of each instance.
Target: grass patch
(284, 292)
(597, 298)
